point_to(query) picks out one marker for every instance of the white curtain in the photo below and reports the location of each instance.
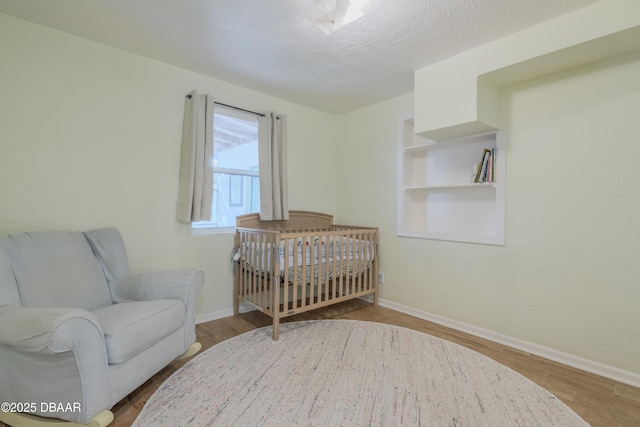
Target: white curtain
(195, 191)
(272, 152)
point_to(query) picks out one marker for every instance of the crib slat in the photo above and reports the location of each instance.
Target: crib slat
(267, 265)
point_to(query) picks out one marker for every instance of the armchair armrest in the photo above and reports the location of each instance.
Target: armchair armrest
(48, 330)
(54, 352)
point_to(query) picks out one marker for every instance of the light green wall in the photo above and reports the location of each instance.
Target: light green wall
(90, 137)
(568, 278)
(455, 96)
(573, 210)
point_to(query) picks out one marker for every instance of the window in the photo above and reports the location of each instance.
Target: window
(236, 189)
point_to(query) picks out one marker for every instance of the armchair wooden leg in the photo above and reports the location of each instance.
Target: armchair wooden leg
(19, 419)
(193, 349)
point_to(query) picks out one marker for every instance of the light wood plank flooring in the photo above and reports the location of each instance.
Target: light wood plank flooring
(600, 401)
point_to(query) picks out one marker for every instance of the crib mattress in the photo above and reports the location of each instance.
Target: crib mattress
(311, 262)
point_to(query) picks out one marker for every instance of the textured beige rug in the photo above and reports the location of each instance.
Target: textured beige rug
(349, 373)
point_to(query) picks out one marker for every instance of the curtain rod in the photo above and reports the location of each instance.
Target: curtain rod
(235, 108)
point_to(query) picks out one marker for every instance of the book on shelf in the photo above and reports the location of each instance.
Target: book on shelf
(490, 168)
(484, 171)
(493, 165)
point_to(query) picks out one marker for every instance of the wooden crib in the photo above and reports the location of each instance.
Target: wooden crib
(303, 263)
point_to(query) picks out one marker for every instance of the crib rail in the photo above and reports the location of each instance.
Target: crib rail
(282, 273)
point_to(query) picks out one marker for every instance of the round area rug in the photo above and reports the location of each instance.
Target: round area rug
(349, 373)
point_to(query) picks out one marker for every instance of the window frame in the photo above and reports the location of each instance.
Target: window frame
(209, 227)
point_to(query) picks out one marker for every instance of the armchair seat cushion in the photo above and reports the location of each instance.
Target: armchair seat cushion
(132, 326)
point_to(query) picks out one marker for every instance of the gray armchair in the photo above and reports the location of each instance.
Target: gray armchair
(78, 331)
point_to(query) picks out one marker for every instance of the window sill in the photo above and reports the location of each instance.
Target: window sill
(203, 231)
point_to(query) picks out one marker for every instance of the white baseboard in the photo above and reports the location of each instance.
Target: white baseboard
(597, 368)
(219, 314)
(214, 315)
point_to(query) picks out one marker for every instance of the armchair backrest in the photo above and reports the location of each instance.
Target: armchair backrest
(8, 288)
(52, 269)
(108, 247)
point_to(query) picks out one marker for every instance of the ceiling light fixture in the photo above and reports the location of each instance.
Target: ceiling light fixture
(330, 15)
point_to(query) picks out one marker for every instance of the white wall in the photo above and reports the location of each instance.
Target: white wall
(568, 277)
(90, 137)
(456, 96)
(573, 211)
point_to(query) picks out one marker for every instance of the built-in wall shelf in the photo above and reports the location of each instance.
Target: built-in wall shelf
(449, 187)
(438, 193)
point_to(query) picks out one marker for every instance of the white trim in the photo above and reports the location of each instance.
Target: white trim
(219, 314)
(597, 368)
(202, 230)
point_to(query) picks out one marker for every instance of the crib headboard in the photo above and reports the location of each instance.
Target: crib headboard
(298, 220)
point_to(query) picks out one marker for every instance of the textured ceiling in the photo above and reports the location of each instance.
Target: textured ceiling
(271, 47)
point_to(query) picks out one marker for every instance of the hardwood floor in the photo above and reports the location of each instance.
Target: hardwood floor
(600, 401)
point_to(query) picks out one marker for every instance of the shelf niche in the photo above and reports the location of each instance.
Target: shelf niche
(437, 198)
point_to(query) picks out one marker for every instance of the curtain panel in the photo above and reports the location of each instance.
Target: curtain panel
(195, 189)
(272, 147)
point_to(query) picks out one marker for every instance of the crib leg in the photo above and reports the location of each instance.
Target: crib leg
(236, 300)
(276, 328)
(236, 305)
